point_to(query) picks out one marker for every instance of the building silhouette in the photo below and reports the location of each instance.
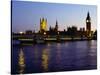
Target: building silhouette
(71, 31)
(56, 26)
(54, 29)
(54, 32)
(88, 25)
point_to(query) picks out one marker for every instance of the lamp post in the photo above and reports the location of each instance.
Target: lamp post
(58, 32)
(44, 35)
(58, 37)
(20, 32)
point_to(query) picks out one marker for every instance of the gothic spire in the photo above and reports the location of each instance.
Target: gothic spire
(88, 16)
(56, 22)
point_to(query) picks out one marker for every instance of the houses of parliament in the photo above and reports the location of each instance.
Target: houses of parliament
(70, 30)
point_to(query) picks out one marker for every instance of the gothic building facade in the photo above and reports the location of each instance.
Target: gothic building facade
(43, 24)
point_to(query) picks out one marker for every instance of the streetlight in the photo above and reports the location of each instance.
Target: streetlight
(58, 32)
(20, 32)
(44, 33)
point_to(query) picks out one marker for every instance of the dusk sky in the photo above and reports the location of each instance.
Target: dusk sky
(26, 15)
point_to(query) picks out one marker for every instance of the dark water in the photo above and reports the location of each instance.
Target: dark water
(51, 57)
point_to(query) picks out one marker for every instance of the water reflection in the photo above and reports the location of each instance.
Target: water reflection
(58, 54)
(36, 55)
(45, 60)
(92, 53)
(54, 57)
(21, 61)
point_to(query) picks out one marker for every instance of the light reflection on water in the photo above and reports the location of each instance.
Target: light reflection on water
(21, 61)
(50, 57)
(45, 60)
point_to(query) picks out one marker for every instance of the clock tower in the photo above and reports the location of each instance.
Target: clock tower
(88, 25)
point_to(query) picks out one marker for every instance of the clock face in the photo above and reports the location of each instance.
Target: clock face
(87, 20)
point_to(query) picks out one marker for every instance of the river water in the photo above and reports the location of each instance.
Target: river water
(53, 57)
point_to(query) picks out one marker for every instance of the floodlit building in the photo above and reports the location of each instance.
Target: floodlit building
(43, 25)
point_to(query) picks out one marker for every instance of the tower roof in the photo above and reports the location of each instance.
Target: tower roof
(43, 19)
(88, 16)
(40, 20)
(56, 22)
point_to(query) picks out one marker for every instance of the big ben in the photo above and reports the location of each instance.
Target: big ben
(88, 25)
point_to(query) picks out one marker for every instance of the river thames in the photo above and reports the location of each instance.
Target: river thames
(53, 57)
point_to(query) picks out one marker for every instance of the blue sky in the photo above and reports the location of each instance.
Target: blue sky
(26, 15)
